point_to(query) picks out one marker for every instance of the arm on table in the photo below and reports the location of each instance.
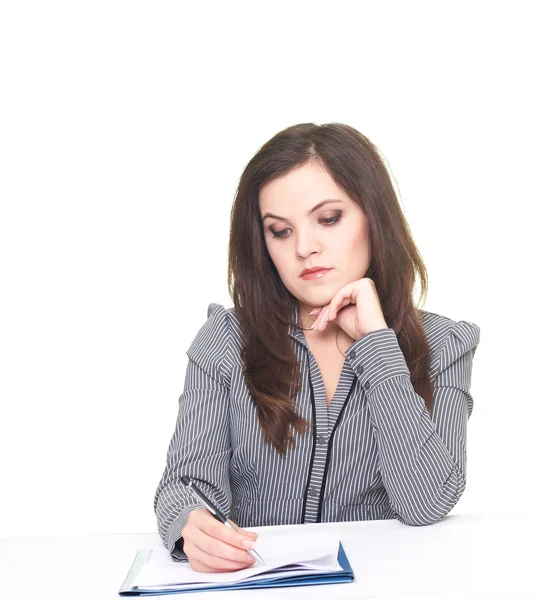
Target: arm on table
(422, 456)
(200, 445)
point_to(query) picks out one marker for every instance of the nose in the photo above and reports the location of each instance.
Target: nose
(307, 244)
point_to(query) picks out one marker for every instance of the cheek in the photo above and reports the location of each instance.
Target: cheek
(350, 241)
(276, 254)
(358, 239)
(355, 249)
(359, 244)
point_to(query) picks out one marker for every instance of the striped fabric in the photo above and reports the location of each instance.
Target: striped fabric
(373, 453)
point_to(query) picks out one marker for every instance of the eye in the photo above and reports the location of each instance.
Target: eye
(331, 220)
(326, 222)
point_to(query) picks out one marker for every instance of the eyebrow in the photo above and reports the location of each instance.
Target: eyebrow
(312, 210)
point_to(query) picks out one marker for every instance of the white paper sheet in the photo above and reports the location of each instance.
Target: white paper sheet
(308, 551)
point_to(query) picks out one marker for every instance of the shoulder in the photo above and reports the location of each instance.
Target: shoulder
(448, 339)
(214, 346)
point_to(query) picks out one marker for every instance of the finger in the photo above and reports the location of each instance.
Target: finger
(344, 296)
(204, 517)
(334, 309)
(215, 529)
(217, 548)
(326, 315)
(214, 563)
(202, 568)
(251, 534)
(319, 320)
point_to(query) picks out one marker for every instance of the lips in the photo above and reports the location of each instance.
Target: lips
(313, 270)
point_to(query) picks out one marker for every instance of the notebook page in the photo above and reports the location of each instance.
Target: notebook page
(315, 550)
(321, 565)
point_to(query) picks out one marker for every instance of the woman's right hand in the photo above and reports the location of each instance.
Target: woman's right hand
(212, 546)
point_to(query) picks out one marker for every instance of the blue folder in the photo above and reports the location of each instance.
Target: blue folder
(318, 578)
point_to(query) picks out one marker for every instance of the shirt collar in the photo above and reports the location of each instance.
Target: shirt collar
(295, 330)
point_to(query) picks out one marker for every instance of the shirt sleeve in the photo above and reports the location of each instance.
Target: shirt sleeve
(200, 446)
(422, 456)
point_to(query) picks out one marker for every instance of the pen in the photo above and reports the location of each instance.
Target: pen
(217, 514)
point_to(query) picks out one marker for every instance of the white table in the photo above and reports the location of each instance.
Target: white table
(462, 556)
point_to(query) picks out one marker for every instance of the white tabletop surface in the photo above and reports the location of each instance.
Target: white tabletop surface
(461, 556)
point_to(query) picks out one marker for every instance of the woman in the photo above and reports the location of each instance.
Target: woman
(323, 394)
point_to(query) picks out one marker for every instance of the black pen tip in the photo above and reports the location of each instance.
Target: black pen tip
(185, 480)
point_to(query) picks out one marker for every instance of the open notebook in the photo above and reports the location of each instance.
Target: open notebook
(292, 558)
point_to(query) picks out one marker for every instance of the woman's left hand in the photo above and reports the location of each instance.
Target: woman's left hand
(363, 312)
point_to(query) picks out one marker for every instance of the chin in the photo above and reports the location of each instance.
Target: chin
(321, 299)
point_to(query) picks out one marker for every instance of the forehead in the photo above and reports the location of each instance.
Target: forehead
(302, 187)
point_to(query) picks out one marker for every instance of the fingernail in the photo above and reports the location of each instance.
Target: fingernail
(248, 544)
(311, 312)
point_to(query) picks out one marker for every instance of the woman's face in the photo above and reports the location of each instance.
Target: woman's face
(333, 235)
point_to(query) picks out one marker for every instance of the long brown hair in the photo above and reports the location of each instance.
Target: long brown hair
(263, 305)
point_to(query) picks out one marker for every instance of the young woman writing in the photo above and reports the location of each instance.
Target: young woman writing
(323, 394)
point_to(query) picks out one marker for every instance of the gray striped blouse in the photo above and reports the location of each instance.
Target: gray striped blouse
(374, 453)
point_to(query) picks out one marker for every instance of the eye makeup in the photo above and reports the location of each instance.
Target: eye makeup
(327, 222)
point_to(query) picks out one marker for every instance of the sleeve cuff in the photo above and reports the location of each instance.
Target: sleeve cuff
(375, 357)
(176, 531)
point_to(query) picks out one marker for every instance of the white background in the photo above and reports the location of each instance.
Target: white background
(124, 127)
